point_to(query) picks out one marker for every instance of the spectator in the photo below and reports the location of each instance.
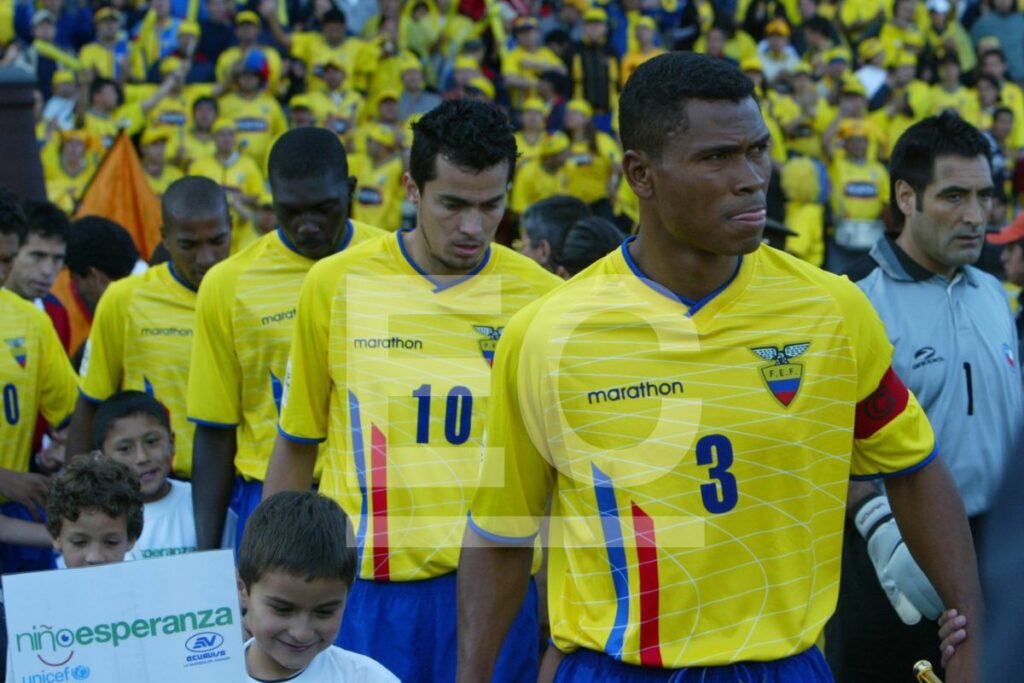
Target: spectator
(586, 241)
(379, 186)
(159, 173)
(595, 69)
(108, 57)
(545, 176)
(68, 174)
(60, 108)
(777, 56)
(1004, 22)
(522, 66)
(258, 118)
(645, 31)
(415, 98)
(1011, 239)
(545, 225)
(230, 61)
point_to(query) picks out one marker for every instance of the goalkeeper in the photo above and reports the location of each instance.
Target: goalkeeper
(955, 344)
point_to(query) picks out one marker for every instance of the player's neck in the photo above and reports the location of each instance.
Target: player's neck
(687, 272)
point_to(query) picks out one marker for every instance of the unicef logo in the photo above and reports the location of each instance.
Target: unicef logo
(204, 642)
(80, 673)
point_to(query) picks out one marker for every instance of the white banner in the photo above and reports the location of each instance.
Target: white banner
(160, 621)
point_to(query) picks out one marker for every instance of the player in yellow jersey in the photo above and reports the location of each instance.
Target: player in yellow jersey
(390, 366)
(245, 317)
(142, 333)
(695, 404)
(378, 173)
(35, 377)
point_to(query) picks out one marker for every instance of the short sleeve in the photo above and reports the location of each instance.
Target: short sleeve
(307, 384)
(103, 363)
(215, 376)
(515, 478)
(58, 390)
(891, 434)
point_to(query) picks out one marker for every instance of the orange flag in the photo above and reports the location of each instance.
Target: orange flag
(120, 192)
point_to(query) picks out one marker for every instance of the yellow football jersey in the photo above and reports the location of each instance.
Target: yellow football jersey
(127, 117)
(35, 377)
(161, 182)
(697, 454)
(528, 151)
(379, 191)
(311, 48)
(859, 190)
(258, 122)
(231, 55)
(392, 368)
(241, 175)
(141, 339)
(963, 101)
(245, 317)
(589, 172)
(533, 183)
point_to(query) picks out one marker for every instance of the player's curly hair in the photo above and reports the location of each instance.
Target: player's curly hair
(652, 106)
(472, 135)
(300, 533)
(91, 481)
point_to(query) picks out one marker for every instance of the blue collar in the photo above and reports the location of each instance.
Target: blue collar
(350, 232)
(439, 286)
(179, 279)
(692, 306)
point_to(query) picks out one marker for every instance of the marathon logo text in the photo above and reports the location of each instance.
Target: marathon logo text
(48, 638)
(277, 317)
(166, 332)
(639, 390)
(389, 343)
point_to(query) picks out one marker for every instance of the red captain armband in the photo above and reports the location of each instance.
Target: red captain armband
(881, 407)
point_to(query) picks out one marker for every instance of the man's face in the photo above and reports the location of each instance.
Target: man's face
(948, 230)
(993, 65)
(388, 110)
(35, 268)
(204, 115)
(93, 539)
(334, 77)
(1003, 6)
(457, 215)
(247, 33)
(709, 188)
(1002, 124)
(249, 82)
(776, 42)
(334, 32)
(107, 98)
(312, 212)
(302, 117)
(44, 31)
(904, 74)
(716, 41)
(144, 445)
(72, 151)
(225, 140)
(8, 252)
(197, 243)
(528, 38)
(856, 147)
(950, 73)
(533, 120)
(1013, 262)
(154, 151)
(412, 79)
(595, 31)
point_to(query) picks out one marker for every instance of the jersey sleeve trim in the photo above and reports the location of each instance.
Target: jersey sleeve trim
(90, 399)
(298, 439)
(215, 425)
(897, 473)
(497, 538)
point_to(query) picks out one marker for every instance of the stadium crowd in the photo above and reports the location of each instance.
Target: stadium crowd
(278, 132)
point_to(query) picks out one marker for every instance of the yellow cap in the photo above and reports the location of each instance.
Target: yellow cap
(266, 200)
(302, 101)
(409, 62)
(535, 104)
(386, 94)
(580, 107)
(836, 53)
(524, 23)
(581, 5)
(483, 85)
(335, 61)
(466, 62)
(646, 22)
(853, 86)
(190, 28)
(105, 13)
(752, 64)
(852, 128)
(989, 43)
(802, 68)
(777, 27)
(905, 59)
(62, 76)
(75, 134)
(870, 48)
(595, 14)
(169, 65)
(222, 124)
(155, 134)
(247, 17)
(381, 134)
(556, 143)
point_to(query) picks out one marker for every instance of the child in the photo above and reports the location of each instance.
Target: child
(94, 511)
(134, 429)
(296, 564)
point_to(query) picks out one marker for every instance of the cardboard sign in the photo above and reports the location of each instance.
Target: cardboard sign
(161, 621)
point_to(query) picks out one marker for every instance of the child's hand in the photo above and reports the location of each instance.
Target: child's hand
(952, 632)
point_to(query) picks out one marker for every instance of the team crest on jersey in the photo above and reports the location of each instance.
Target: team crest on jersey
(783, 376)
(487, 346)
(17, 347)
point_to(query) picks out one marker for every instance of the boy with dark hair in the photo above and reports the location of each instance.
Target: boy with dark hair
(94, 511)
(296, 565)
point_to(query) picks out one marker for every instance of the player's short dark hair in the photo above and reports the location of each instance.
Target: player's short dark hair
(99, 83)
(914, 156)
(1000, 110)
(46, 220)
(12, 215)
(193, 196)
(100, 243)
(550, 219)
(307, 153)
(333, 16)
(126, 404)
(300, 533)
(587, 241)
(204, 100)
(652, 107)
(991, 80)
(472, 135)
(90, 481)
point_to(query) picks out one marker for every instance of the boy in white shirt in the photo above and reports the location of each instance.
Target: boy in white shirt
(296, 564)
(134, 428)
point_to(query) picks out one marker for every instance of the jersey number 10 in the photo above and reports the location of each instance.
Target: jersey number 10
(458, 414)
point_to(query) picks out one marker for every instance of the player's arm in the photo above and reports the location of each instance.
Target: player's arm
(213, 473)
(931, 515)
(80, 431)
(291, 466)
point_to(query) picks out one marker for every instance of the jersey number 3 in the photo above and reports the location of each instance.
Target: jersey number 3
(721, 494)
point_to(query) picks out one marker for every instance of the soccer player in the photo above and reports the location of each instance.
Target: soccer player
(35, 377)
(244, 323)
(142, 336)
(694, 404)
(390, 366)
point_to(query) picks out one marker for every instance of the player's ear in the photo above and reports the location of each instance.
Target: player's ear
(906, 198)
(412, 191)
(243, 594)
(636, 167)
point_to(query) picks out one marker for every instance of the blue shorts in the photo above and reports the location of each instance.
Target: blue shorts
(15, 559)
(409, 627)
(586, 665)
(245, 496)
